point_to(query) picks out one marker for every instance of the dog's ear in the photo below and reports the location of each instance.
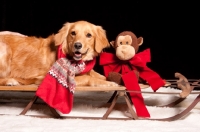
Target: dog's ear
(101, 40)
(61, 36)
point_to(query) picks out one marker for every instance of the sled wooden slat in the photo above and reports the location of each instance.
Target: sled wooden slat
(89, 88)
(19, 88)
(79, 88)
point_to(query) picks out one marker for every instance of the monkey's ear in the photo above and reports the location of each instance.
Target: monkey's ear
(112, 43)
(140, 41)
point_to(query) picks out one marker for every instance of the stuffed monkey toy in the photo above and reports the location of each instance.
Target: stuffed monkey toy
(126, 66)
(126, 46)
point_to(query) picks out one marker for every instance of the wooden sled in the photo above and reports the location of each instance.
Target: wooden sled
(186, 85)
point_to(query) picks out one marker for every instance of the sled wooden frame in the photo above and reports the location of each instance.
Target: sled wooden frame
(118, 91)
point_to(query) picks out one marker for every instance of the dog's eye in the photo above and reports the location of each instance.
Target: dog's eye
(73, 33)
(120, 42)
(89, 35)
(127, 42)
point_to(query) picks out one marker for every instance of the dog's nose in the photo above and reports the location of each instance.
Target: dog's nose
(78, 45)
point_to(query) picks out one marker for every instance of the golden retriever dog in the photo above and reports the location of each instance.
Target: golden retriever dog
(26, 60)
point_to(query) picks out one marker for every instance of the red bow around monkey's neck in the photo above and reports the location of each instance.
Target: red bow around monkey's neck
(111, 63)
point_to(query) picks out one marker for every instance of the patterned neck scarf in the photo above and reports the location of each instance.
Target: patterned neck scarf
(65, 70)
(58, 86)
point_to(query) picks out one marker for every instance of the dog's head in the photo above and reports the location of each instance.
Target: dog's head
(82, 40)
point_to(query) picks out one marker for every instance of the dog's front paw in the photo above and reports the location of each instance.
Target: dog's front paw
(12, 82)
(113, 84)
(105, 84)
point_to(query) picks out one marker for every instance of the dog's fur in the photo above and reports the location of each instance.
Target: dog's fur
(25, 60)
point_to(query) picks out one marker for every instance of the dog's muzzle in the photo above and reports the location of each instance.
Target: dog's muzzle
(77, 53)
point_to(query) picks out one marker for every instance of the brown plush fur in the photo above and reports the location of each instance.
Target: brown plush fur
(26, 60)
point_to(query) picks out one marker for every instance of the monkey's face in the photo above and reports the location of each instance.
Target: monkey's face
(124, 48)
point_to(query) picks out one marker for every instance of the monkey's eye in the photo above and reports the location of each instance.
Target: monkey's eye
(73, 33)
(120, 42)
(126, 42)
(89, 35)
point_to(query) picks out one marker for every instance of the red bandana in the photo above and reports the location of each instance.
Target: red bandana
(58, 86)
(111, 63)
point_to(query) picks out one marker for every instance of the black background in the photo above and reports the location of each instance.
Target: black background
(170, 29)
